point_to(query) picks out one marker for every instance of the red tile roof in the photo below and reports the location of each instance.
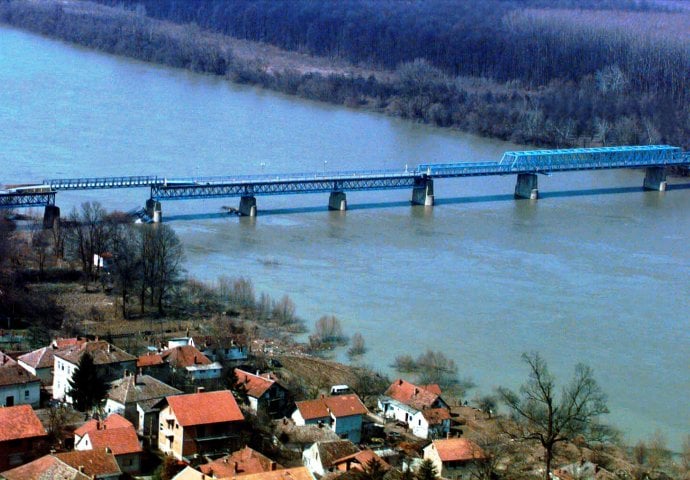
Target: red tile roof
(241, 462)
(114, 420)
(433, 388)
(19, 422)
(46, 467)
(68, 342)
(16, 375)
(254, 385)
(120, 441)
(6, 360)
(458, 450)
(415, 396)
(95, 462)
(436, 416)
(361, 459)
(338, 406)
(297, 473)
(185, 356)
(205, 407)
(150, 360)
(41, 358)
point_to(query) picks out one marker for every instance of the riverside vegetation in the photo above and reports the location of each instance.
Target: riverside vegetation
(558, 74)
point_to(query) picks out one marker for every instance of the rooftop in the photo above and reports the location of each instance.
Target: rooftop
(16, 375)
(254, 385)
(329, 452)
(95, 462)
(241, 462)
(46, 467)
(458, 449)
(137, 388)
(297, 473)
(205, 407)
(102, 352)
(418, 397)
(338, 406)
(185, 356)
(120, 441)
(436, 416)
(19, 422)
(114, 420)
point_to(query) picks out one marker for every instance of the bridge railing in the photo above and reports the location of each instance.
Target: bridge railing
(101, 182)
(287, 177)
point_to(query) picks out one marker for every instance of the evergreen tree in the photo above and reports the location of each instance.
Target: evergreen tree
(86, 388)
(427, 471)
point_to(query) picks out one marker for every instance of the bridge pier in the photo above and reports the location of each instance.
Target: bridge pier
(423, 192)
(337, 201)
(247, 206)
(51, 214)
(154, 210)
(526, 186)
(655, 179)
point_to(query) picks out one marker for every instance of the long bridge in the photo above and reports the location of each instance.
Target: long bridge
(526, 165)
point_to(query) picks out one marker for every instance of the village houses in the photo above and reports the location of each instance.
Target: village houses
(18, 386)
(199, 423)
(182, 363)
(420, 407)
(455, 458)
(245, 461)
(264, 392)
(115, 435)
(342, 413)
(110, 361)
(22, 436)
(76, 465)
(136, 397)
(320, 457)
(41, 361)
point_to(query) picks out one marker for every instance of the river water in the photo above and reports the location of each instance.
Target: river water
(596, 271)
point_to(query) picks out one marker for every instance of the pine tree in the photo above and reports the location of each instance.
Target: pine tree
(86, 388)
(427, 471)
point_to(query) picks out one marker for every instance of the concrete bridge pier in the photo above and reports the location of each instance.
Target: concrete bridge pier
(337, 201)
(526, 186)
(655, 179)
(154, 210)
(423, 192)
(51, 215)
(247, 206)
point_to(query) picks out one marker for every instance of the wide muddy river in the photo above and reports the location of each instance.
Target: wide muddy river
(596, 271)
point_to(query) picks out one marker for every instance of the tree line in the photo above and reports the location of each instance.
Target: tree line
(485, 67)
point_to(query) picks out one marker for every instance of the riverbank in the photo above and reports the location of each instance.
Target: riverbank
(415, 90)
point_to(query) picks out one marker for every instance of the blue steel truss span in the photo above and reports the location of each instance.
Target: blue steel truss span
(102, 182)
(286, 185)
(26, 200)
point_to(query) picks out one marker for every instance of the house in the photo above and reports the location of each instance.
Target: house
(22, 436)
(455, 458)
(6, 360)
(183, 361)
(110, 361)
(358, 462)
(198, 423)
(319, 458)
(116, 435)
(242, 462)
(226, 348)
(18, 387)
(264, 393)
(431, 423)
(41, 362)
(136, 397)
(85, 465)
(343, 413)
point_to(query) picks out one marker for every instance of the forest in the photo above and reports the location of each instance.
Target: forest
(555, 73)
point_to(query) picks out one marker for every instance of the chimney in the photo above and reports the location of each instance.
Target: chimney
(108, 450)
(126, 373)
(273, 466)
(225, 460)
(200, 389)
(108, 348)
(98, 424)
(400, 382)
(235, 467)
(416, 390)
(81, 468)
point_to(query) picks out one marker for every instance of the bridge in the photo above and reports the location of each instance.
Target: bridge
(526, 165)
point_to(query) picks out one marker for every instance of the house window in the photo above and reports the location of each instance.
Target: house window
(26, 394)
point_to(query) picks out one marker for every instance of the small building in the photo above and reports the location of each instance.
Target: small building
(110, 360)
(116, 435)
(320, 457)
(184, 362)
(84, 465)
(455, 458)
(227, 348)
(264, 392)
(297, 473)
(358, 462)
(431, 423)
(197, 423)
(242, 462)
(135, 397)
(342, 413)
(22, 436)
(18, 387)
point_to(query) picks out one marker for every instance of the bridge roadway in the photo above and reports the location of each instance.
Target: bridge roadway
(525, 164)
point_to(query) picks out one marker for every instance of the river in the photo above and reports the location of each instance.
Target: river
(596, 271)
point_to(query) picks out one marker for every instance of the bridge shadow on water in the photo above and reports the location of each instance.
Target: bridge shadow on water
(438, 202)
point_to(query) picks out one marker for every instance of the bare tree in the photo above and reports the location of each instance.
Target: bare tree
(168, 256)
(541, 414)
(40, 245)
(127, 263)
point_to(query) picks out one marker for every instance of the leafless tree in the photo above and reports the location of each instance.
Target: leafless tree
(540, 414)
